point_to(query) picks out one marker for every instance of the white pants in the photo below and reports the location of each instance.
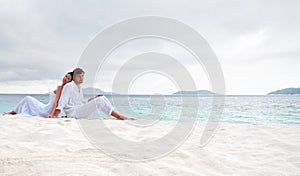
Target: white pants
(87, 109)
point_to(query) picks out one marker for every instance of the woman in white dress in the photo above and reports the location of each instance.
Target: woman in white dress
(30, 106)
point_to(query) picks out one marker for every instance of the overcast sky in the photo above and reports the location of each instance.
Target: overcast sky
(256, 42)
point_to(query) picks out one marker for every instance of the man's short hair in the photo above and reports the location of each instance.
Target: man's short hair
(77, 71)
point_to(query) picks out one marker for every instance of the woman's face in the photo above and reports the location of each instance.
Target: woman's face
(67, 78)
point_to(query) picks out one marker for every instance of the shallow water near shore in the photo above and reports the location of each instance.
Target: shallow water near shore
(261, 109)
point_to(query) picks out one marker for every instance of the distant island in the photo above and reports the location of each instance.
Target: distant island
(94, 91)
(286, 91)
(199, 92)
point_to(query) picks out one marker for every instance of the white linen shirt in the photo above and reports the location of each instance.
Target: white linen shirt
(71, 97)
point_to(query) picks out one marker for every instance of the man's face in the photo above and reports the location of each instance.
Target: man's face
(79, 78)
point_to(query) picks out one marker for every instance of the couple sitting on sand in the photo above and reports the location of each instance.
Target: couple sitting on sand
(67, 97)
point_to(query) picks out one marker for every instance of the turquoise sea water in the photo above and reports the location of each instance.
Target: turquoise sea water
(282, 109)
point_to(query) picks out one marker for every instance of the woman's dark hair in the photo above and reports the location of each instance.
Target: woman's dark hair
(71, 73)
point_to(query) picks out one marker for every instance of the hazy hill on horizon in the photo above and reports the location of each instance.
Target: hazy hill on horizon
(94, 91)
(199, 92)
(286, 91)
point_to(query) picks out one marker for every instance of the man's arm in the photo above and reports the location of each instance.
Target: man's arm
(99, 95)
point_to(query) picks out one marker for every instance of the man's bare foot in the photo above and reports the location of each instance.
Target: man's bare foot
(126, 118)
(120, 117)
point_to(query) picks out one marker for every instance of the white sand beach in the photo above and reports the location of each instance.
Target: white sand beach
(40, 146)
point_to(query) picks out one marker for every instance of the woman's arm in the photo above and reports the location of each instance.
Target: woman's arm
(58, 94)
(65, 97)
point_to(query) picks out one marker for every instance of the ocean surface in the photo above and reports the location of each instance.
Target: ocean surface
(261, 109)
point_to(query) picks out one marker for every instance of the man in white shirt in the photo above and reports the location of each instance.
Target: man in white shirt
(73, 104)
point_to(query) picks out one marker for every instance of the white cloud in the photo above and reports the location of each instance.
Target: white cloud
(29, 87)
(257, 42)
